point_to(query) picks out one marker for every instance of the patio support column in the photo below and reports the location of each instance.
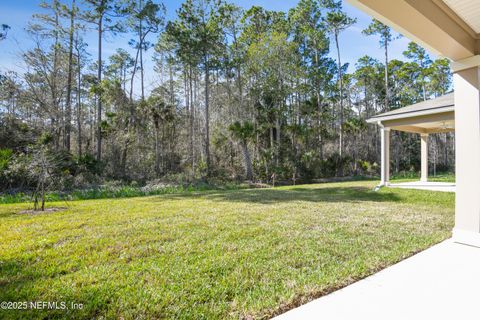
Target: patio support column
(385, 156)
(424, 156)
(467, 154)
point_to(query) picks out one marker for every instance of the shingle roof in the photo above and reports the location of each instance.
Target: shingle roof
(438, 105)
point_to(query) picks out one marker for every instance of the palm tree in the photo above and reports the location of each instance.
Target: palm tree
(244, 132)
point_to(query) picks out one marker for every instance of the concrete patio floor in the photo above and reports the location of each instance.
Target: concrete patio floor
(433, 186)
(439, 283)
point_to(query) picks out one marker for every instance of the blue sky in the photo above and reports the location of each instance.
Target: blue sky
(17, 14)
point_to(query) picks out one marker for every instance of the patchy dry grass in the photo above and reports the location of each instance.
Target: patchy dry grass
(211, 255)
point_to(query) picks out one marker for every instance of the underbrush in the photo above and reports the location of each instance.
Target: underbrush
(410, 176)
(114, 190)
(117, 189)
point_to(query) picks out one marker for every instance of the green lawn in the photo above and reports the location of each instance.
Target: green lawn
(440, 177)
(211, 255)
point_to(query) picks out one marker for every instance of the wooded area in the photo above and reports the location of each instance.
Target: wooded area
(243, 95)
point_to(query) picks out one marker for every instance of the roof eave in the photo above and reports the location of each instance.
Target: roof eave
(380, 119)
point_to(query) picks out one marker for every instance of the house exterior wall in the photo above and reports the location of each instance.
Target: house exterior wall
(433, 26)
(467, 148)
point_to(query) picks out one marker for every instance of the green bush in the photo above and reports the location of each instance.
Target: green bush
(114, 189)
(5, 160)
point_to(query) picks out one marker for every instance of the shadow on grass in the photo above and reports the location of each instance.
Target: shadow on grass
(268, 196)
(7, 214)
(20, 280)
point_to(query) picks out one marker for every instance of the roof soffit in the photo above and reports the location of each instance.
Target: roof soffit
(430, 23)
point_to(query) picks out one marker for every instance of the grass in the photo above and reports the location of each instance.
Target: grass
(408, 177)
(214, 254)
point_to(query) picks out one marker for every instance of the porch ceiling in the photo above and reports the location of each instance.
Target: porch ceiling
(467, 10)
(426, 127)
(449, 28)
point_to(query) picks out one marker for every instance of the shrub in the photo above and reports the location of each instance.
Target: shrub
(6, 156)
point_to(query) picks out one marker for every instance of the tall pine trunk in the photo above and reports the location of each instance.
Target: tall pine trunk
(68, 118)
(99, 98)
(319, 108)
(387, 93)
(157, 147)
(140, 33)
(79, 101)
(192, 118)
(207, 114)
(340, 142)
(248, 161)
(56, 124)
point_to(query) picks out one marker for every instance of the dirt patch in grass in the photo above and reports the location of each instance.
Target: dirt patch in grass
(47, 210)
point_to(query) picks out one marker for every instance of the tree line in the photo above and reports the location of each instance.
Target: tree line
(242, 94)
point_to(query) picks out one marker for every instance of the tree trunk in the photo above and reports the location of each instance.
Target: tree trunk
(68, 120)
(99, 98)
(123, 161)
(340, 142)
(140, 32)
(320, 109)
(248, 161)
(43, 195)
(172, 93)
(56, 125)
(278, 139)
(79, 102)
(386, 77)
(132, 78)
(207, 114)
(192, 118)
(157, 149)
(445, 151)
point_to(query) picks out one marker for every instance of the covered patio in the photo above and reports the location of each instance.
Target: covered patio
(428, 185)
(441, 282)
(424, 118)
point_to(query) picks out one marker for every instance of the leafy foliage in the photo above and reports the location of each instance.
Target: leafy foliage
(239, 94)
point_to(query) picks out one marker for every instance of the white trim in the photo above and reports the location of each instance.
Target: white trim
(411, 114)
(380, 124)
(424, 156)
(470, 238)
(464, 64)
(385, 154)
